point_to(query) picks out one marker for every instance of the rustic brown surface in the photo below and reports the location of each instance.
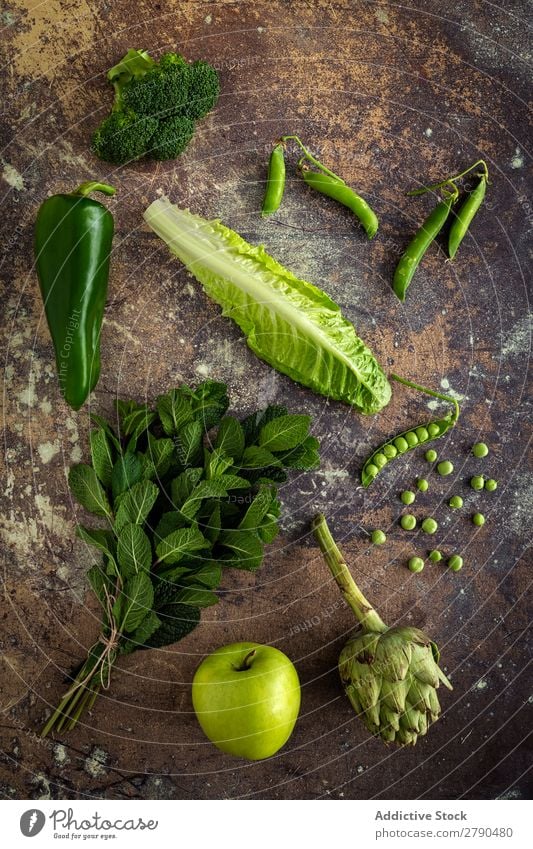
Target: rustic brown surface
(389, 95)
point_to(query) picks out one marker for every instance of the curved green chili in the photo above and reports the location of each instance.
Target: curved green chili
(464, 216)
(408, 439)
(275, 185)
(339, 191)
(418, 246)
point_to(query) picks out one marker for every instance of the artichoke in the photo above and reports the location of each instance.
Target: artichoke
(390, 675)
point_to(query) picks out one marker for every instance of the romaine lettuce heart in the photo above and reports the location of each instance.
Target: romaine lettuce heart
(288, 322)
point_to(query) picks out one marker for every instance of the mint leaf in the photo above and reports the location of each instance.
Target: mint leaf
(134, 552)
(252, 424)
(102, 455)
(135, 602)
(258, 509)
(284, 432)
(180, 542)
(196, 597)
(182, 486)
(168, 522)
(100, 584)
(208, 576)
(136, 504)
(88, 490)
(126, 472)
(100, 538)
(255, 457)
(246, 549)
(174, 411)
(209, 402)
(158, 457)
(216, 463)
(106, 427)
(177, 620)
(188, 444)
(230, 438)
(143, 632)
(213, 524)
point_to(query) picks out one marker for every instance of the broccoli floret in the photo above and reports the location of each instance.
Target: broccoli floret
(156, 105)
(161, 92)
(172, 137)
(123, 137)
(204, 89)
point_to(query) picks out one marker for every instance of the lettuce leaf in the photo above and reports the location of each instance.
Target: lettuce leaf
(289, 323)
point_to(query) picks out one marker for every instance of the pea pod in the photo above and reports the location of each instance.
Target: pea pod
(464, 216)
(337, 189)
(418, 246)
(408, 439)
(275, 185)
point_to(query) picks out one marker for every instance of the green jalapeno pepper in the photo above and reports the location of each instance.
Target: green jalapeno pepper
(73, 235)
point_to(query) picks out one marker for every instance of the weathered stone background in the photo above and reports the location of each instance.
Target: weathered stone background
(390, 95)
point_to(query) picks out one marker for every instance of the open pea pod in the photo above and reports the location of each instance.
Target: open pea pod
(408, 439)
(401, 444)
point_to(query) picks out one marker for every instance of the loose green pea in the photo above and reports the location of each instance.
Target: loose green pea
(378, 537)
(411, 438)
(429, 525)
(456, 501)
(422, 484)
(390, 451)
(445, 468)
(379, 460)
(431, 455)
(433, 429)
(401, 444)
(477, 482)
(416, 564)
(435, 555)
(407, 497)
(455, 562)
(491, 485)
(372, 470)
(480, 449)
(478, 519)
(408, 522)
(422, 434)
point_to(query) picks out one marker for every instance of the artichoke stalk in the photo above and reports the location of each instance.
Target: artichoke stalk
(390, 675)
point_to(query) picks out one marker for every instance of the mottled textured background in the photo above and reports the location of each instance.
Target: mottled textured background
(390, 95)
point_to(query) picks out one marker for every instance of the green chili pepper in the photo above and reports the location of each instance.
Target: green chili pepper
(410, 439)
(339, 191)
(275, 185)
(416, 249)
(464, 216)
(73, 235)
(330, 184)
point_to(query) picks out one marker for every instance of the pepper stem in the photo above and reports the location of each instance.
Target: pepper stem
(370, 620)
(431, 392)
(85, 189)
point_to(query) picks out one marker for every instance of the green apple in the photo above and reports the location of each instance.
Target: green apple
(247, 698)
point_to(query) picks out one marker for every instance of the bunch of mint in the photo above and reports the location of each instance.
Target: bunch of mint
(185, 491)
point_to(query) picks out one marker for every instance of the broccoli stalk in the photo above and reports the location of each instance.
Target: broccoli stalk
(155, 108)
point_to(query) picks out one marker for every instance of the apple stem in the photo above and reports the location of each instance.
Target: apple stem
(246, 662)
(369, 618)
